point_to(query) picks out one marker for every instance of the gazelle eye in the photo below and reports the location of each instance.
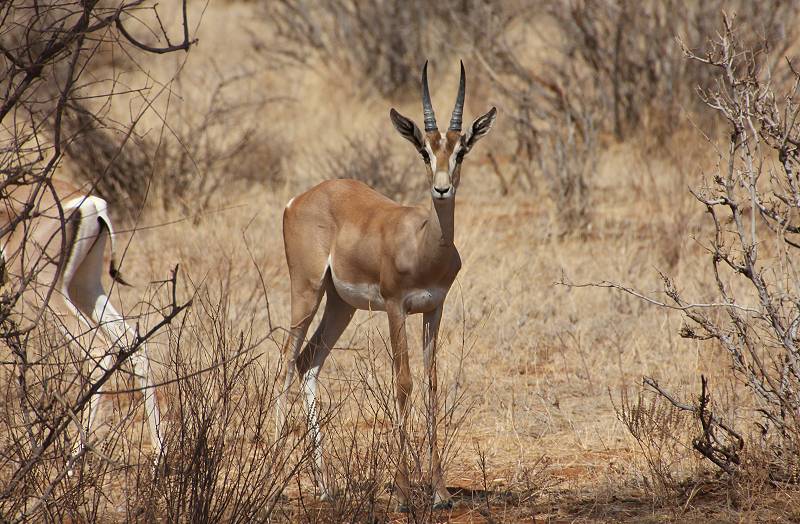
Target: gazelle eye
(425, 157)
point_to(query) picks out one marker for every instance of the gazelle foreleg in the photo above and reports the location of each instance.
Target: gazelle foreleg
(403, 387)
(430, 329)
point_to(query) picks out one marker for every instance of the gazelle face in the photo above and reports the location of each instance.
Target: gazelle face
(442, 155)
(443, 152)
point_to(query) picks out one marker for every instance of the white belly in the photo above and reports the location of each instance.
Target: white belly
(360, 296)
(368, 296)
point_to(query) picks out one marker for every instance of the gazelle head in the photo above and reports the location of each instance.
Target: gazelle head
(443, 152)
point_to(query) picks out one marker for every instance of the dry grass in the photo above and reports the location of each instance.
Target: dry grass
(537, 367)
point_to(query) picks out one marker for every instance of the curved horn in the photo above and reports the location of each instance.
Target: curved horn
(458, 110)
(427, 107)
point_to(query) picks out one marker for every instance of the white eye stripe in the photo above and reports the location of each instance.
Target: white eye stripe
(431, 156)
(454, 156)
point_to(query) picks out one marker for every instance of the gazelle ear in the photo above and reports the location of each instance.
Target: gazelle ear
(408, 129)
(479, 128)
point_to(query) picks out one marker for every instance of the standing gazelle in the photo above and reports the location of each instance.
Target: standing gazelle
(365, 251)
(59, 249)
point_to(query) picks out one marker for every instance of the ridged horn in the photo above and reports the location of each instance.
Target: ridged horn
(458, 110)
(427, 107)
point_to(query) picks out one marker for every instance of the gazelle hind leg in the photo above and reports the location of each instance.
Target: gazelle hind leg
(144, 378)
(99, 363)
(82, 281)
(306, 297)
(335, 318)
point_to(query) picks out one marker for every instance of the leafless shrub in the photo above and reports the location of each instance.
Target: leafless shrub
(613, 67)
(224, 461)
(209, 143)
(45, 50)
(216, 142)
(752, 202)
(46, 400)
(718, 441)
(748, 200)
(376, 166)
(639, 76)
(381, 41)
(567, 159)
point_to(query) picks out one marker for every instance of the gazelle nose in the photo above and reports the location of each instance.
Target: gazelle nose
(440, 190)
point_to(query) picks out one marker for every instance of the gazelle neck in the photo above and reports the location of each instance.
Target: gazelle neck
(439, 229)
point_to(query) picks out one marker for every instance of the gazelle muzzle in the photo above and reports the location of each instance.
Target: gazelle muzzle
(442, 186)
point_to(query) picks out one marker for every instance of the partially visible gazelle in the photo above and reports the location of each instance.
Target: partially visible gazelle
(365, 251)
(57, 252)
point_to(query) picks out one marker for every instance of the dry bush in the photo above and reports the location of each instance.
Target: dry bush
(612, 66)
(375, 165)
(382, 42)
(54, 102)
(751, 308)
(224, 461)
(207, 144)
(46, 49)
(567, 159)
(628, 51)
(47, 389)
(217, 141)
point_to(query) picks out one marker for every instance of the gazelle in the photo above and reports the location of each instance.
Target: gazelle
(59, 249)
(365, 251)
